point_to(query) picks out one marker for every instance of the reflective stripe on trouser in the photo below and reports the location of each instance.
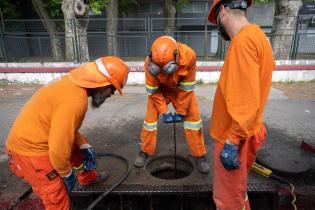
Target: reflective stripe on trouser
(229, 187)
(149, 129)
(192, 125)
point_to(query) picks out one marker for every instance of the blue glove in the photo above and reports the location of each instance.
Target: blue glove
(70, 181)
(168, 118)
(178, 117)
(89, 158)
(229, 157)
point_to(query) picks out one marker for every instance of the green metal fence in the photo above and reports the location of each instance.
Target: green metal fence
(31, 41)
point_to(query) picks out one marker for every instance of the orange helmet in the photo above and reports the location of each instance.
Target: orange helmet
(241, 4)
(163, 50)
(109, 70)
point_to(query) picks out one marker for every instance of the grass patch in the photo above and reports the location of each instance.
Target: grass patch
(3, 83)
(291, 82)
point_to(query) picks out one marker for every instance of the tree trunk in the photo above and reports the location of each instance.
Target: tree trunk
(50, 27)
(68, 14)
(111, 27)
(81, 10)
(283, 28)
(81, 25)
(169, 15)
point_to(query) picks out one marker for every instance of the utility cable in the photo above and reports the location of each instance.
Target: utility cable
(294, 197)
(269, 174)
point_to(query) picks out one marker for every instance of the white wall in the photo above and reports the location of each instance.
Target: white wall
(136, 77)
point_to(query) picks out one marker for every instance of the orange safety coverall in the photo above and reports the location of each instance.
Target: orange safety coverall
(44, 141)
(238, 107)
(178, 89)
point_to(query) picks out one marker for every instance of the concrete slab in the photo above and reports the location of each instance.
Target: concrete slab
(116, 127)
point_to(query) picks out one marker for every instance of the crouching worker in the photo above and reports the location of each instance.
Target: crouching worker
(170, 73)
(44, 143)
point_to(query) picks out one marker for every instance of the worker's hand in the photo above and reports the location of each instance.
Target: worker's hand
(89, 157)
(70, 181)
(168, 117)
(228, 156)
(178, 117)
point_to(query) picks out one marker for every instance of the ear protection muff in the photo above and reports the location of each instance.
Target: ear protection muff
(152, 67)
(168, 68)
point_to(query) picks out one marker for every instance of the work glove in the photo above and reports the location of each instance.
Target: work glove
(89, 157)
(178, 117)
(229, 157)
(70, 181)
(168, 117)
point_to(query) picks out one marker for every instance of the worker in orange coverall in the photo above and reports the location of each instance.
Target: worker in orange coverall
(170, 73)
(44, 142)
(239, 102)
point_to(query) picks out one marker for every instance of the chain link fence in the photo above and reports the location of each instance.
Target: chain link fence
(40, 41)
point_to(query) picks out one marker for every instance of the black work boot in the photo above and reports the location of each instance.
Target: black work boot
(102, 177)
(203, 165)
(141, 159)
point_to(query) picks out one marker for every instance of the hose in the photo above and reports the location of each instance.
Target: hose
(119, 181)
(20, 198)
(94, 203)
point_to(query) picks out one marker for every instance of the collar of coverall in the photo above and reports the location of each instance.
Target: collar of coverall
(182, 61)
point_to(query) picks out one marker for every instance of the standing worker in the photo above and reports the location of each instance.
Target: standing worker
(44, 142)
(239, 102)
(170, 73)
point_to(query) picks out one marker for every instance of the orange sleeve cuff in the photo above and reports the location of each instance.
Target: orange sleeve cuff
(79, 140)
(235, 139)
(162, 109)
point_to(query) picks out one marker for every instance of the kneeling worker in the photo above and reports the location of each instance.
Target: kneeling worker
(44, 143)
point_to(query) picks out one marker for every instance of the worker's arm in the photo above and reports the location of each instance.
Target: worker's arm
(79, 140)
(67, 117)
(186, 86)
(241, 90)
(153, 90)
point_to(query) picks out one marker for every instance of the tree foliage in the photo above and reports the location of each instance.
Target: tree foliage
(8, 9)
(180, 5)
(96, 6)
(125, 7)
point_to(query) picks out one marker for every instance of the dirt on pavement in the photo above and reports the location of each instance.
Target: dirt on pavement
(297, 90)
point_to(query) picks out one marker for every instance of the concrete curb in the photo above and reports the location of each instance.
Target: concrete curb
(207, 71)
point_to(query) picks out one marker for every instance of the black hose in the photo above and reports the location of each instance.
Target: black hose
(92, 205)
(20, 198)
(119, 181)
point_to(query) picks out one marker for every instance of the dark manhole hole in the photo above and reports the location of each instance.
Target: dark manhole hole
(163, 167)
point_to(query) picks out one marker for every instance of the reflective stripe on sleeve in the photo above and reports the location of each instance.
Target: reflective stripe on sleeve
(187, 86)
(151, 90)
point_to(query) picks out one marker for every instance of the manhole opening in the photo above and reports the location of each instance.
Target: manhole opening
(163, 167)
